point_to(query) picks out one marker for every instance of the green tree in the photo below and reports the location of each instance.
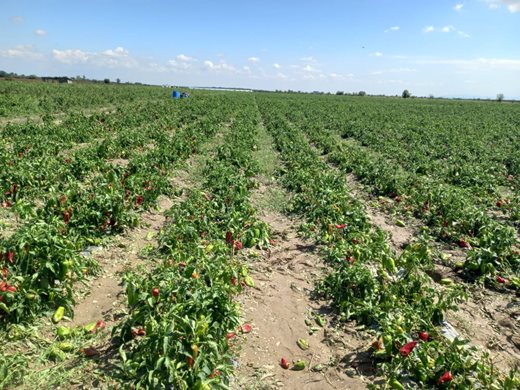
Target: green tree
(406, 94)
(500, 97)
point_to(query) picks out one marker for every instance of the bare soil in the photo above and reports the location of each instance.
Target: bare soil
(105, 300)
(277, 309)
(491, 321)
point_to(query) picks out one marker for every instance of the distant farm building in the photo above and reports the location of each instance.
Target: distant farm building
(61, 80)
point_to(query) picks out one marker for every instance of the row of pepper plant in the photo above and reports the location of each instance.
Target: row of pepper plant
(391, 295)
(432, 170)
(63, 190)
(28, 99)
(182, 313)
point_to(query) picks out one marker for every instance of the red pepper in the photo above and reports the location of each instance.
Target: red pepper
(139, 200)
(138, 332)
(66, 217)
(464, 244)
(10, 256)
(4, 273)
(100, 324)
(284, 363)
(407, 348)
(215, 373)
(237, 245)
(446, 377)
(500, 279)
(229, 237)
(3, 286)
(230, 335)
(424, 336)
(155, 292)
(246, 328)
(234, 281)
(342, 226)
(11, 289)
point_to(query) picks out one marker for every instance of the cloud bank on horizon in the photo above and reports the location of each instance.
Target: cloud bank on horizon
(445, 48)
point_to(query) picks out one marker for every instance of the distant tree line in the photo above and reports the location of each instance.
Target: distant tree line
(82, 79)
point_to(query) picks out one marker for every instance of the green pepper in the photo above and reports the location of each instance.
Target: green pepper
(299, 365)
(65, 267)
(303, 344)
(65, 346)
(318, 368)
(58, 314)
(57, 354)
(63, 332)
(90, 327)
(395, 384)
(249, 281)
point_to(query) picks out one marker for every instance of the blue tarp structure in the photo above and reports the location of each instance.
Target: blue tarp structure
(176, 94)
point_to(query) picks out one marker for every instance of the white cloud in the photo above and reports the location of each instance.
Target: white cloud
(184, 58)
(393, 29)
(458, 6)
(376, 54)
(478, 63)
(221, 66)
(40, 32)
(308, 68)
(209, 64)
(70, 56)
(117, 52)
(277, 66)
(111, 58)
(181, 62)
(22, 51)
(336, 76)
(308, 59)
(17, 19)
(178, 65)
(246, 68)
(310, 76)
(282, 76)
(394, 70)
(512, 5)
(445, 29)
(253, 60)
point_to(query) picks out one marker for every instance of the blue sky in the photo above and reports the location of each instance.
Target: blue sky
(445, 48)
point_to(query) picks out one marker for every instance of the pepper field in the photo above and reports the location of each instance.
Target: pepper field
(136, 231)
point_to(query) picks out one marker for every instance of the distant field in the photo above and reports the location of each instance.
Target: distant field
(182, 187)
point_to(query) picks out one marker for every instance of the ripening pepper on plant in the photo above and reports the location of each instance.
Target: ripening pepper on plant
(407, 348)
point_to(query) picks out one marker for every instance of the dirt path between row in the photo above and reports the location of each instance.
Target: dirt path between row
(281, 307)
(107, 297)
(278, 307)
